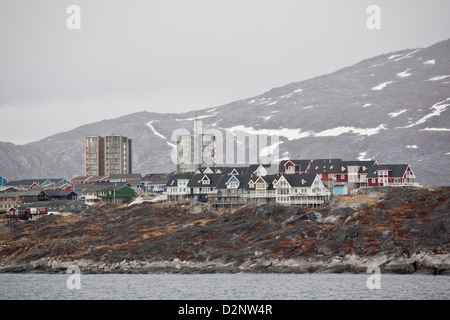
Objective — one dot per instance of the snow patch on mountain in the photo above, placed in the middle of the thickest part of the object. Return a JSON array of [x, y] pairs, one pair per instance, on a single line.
[[408, 55], [269, 150], [156, 133], [362, 156], [430, 62], [396, 114], [150, 125], [435, 129], [381, 86], [437, 78], [403, 74], [359, 131], [289, 134], [437, 108], [290, 94]]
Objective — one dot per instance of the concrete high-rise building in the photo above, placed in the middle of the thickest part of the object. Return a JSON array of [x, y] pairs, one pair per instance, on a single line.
[[108, 155], [194, 151]]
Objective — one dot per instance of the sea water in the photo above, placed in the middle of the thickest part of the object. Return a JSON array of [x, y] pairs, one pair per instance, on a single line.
[[222, 287]]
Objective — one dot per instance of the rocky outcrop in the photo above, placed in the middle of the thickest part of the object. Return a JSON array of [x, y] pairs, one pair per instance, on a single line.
[[398, 230]]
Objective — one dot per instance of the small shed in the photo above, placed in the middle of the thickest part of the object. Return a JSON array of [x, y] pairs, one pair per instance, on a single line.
[[340, 190]]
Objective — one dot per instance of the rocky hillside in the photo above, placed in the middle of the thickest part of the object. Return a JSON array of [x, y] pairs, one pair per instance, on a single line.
[[393, 108], [400, 230]]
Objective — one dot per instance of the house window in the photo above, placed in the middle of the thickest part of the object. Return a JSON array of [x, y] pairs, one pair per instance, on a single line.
[[260, 186]]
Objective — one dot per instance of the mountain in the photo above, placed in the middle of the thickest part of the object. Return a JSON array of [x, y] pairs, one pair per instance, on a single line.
[[393, 108]]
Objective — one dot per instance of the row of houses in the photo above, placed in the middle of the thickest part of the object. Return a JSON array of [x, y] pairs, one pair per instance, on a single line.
[[302, 182], [34, 210], [32, 198], [291, 182]]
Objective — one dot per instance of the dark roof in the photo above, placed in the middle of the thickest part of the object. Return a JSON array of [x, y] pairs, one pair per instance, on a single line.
[[27, 182], [223, 181], [223, 170], [196, 180], [156, 178], [54, 193], [25, 193], [364, 165], [300, 180], [90, 178], [103, 186], [325, 166], [173, 178], [270, 168], [395, 170]]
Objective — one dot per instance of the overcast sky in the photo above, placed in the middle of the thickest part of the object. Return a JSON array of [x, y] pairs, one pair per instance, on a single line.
[[182, 55]]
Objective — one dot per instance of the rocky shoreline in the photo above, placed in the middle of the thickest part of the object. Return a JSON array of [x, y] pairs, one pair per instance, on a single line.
[[401, 231], [417, 264]]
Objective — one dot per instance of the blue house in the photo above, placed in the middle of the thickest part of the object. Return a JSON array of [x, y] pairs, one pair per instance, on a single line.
[[340, 190], [3, 181]]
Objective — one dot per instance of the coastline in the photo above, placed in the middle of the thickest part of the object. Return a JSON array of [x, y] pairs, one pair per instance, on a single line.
[[424, 264], [399, 231]]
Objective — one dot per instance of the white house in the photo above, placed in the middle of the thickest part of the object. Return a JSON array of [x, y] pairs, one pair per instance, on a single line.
[[301, 189], [177, 188]]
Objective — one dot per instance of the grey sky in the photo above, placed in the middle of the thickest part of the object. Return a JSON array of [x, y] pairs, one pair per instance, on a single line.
[[180, 55]]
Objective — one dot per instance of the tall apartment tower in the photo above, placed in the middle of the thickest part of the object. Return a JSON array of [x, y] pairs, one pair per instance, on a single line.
[[108, 155], [195, 151]]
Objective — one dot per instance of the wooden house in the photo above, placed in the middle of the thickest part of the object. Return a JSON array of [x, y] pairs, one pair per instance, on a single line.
[[230, 191], [10, 199], [201, 185], [64, 207], [18, 212], [261, 189], [27, 184], [354, 173], [59, 194], [293, 166], [177, 188], [327, 169], [109, 192], [390, 175], [301, 189], [155, 183]]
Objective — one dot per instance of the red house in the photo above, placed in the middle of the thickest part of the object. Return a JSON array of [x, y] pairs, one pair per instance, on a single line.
[[327, 169], [18, 212], [391, 175], [354, 173], [293, 167]]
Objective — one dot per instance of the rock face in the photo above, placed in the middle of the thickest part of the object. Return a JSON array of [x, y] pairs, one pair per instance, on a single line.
[[397, 229]]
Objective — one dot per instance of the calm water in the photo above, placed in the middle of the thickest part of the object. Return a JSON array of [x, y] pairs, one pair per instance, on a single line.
[[224, 287]]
